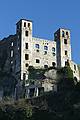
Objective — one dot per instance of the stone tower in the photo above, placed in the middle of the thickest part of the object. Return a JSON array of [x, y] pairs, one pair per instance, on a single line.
[[63, 46], [24, 43]]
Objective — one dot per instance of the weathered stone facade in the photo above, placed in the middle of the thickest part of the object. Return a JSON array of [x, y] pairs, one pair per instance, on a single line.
[[35, 52], [63, 51], [19, 51]]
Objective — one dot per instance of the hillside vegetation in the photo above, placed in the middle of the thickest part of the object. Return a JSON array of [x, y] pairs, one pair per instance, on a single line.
[[63, 105]]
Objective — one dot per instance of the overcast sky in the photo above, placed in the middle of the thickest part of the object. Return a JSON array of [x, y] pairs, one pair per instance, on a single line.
[[47, 17]]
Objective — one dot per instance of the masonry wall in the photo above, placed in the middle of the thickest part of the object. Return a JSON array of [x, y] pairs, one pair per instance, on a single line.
[[36, 52], [18, 52], [75, 70], [62, 38], [45, 53], [10, 56]]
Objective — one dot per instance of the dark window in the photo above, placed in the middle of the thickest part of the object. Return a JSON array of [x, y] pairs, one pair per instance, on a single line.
[[37, 46], [45, 52], [26, 64], [24, 24], [75, 79], [28, 24], [66, 33], [53, 49], [26, 45], [67, 63], [62, 33], [65, 52], [53, 54], [26, 57], [65, 41], [74, 67], [45, 47], [26, 33], [24, 76], [45, 66], [37, 50], [53, 64], [37, 61]]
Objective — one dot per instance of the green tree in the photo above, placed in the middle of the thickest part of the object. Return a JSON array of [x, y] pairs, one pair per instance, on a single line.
[[65, 78]]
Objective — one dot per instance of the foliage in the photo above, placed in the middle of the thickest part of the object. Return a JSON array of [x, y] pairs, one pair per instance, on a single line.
[[15, 111], [65, 73], [65, 79], [63, 105], [36, 73]]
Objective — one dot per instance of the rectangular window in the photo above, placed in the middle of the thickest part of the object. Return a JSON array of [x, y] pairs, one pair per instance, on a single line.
[[65, 41], [24, 24], [37, 61], [37, 46], [53, 64], [53, 54], [24, 74], [65, 52], [11, 53], [74, 67], [28, 24], [26, 45], [45, 47], [67, 63], [26, 65], [53, 49], [45, 52], [66, 33], [26, 33], [26, 57], [45, 66], [62, 33]]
